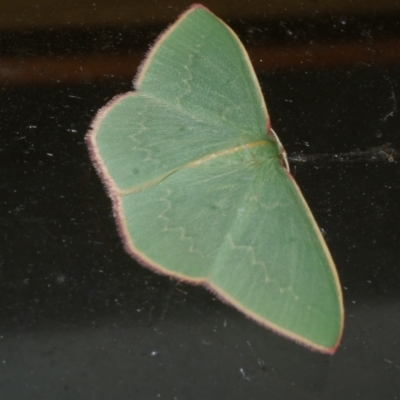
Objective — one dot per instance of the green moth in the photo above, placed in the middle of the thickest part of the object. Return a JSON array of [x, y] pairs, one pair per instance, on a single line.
[[201, 187]]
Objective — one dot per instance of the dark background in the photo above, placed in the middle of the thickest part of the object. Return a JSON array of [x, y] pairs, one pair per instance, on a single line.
[[79, 319]]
